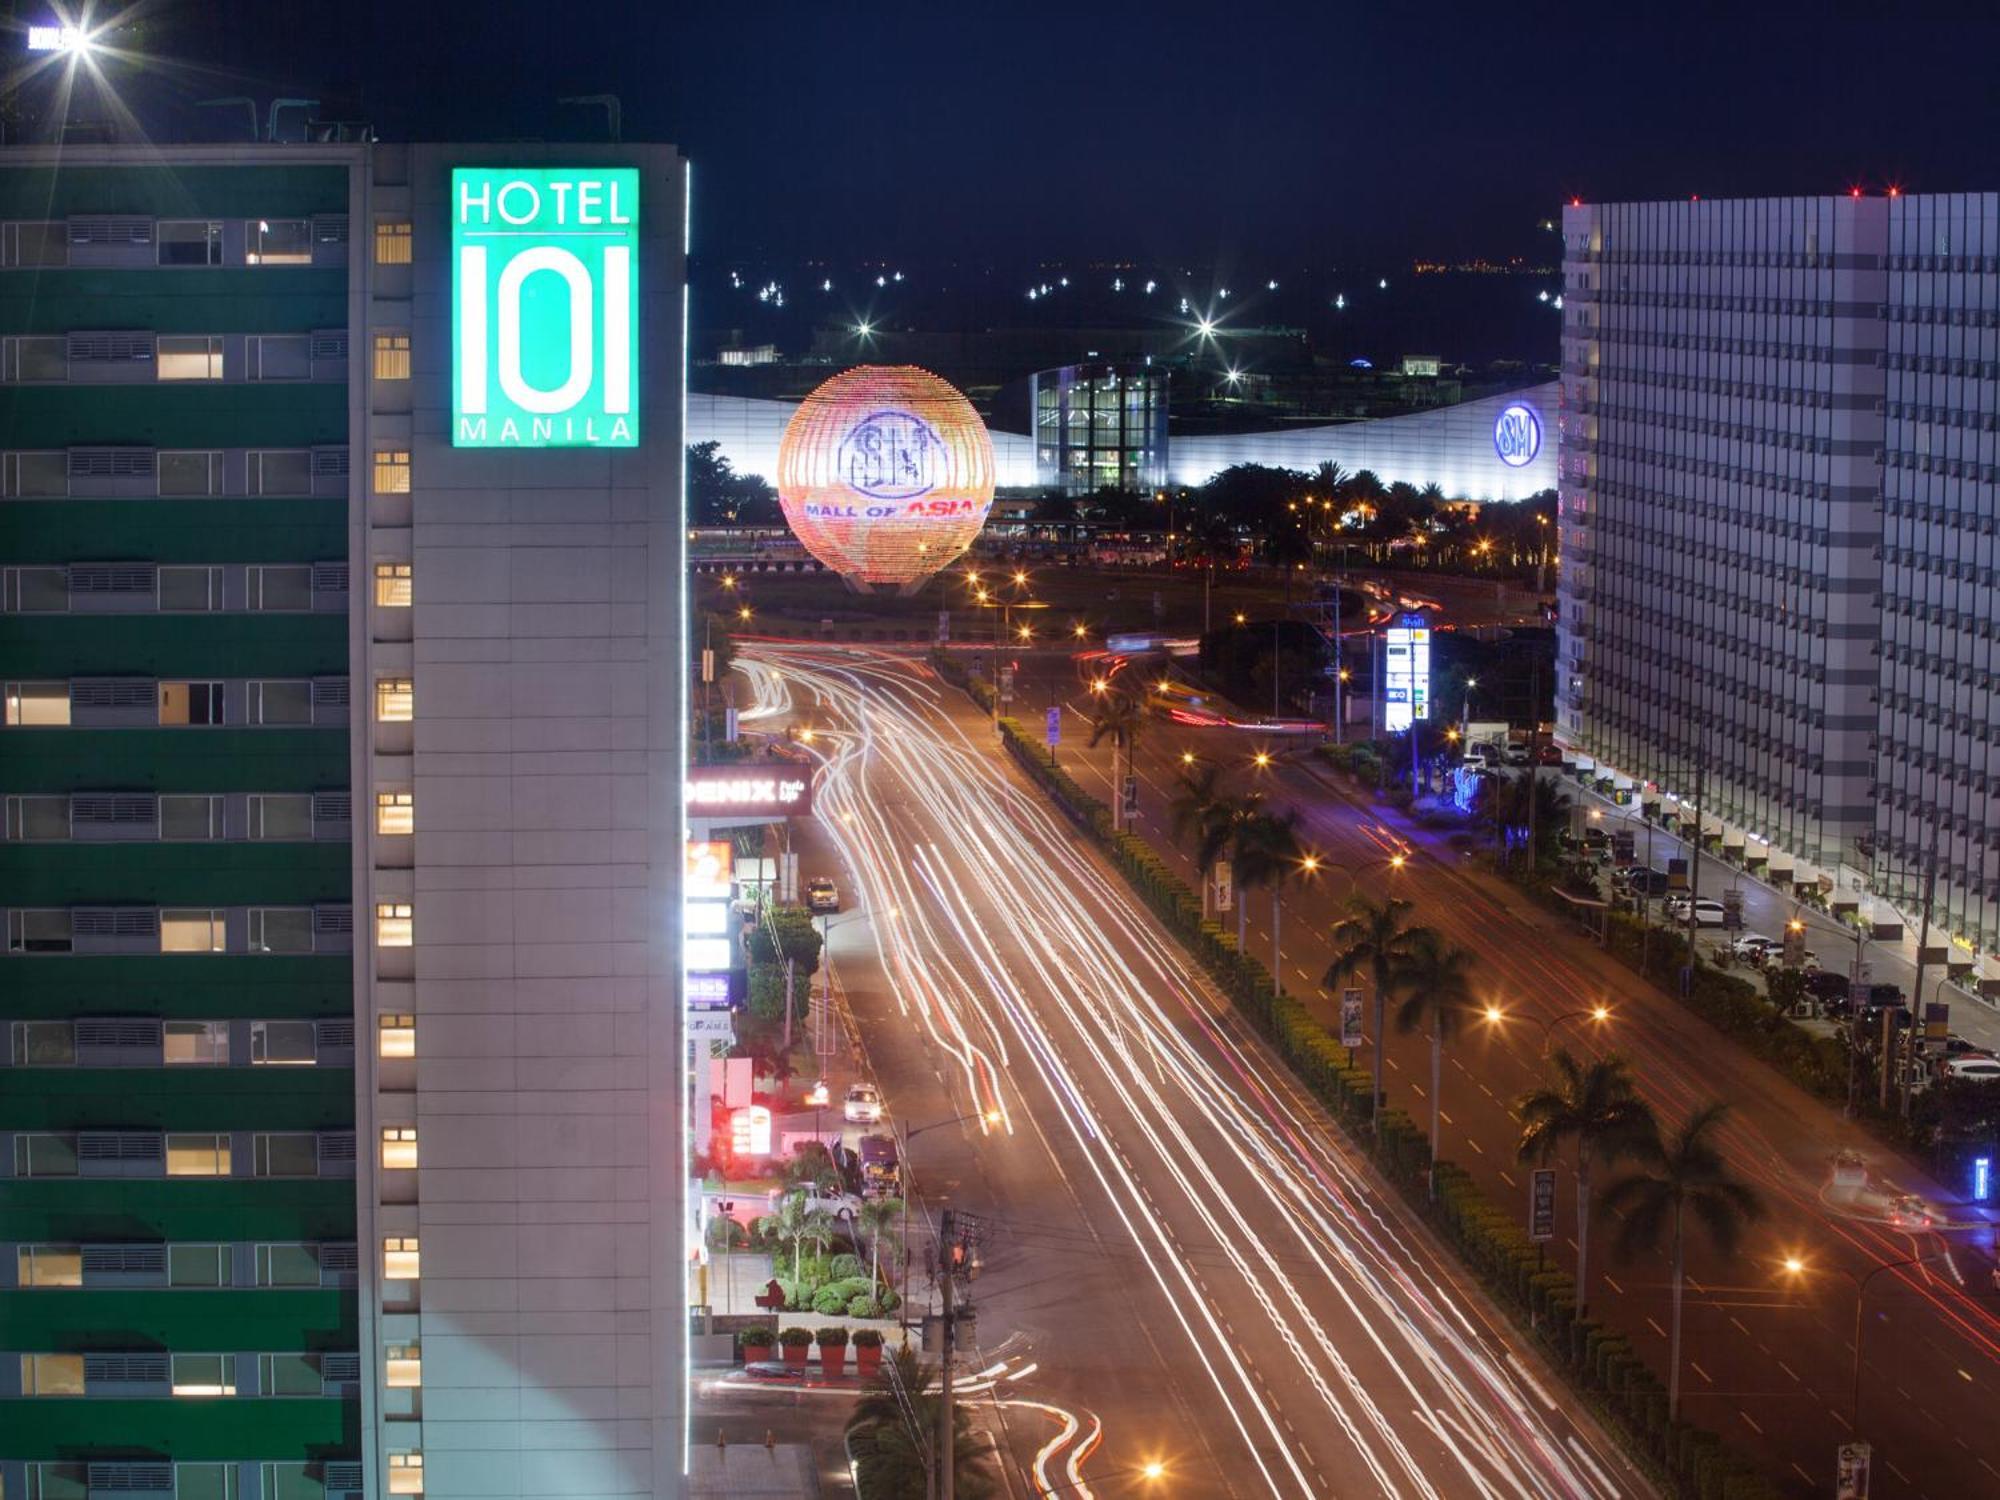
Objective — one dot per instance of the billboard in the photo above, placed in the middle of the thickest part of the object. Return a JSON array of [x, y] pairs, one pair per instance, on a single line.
[[708, 869], [885, 473], [1517, 435], [748, 792], [545, 307], [1406, 676]]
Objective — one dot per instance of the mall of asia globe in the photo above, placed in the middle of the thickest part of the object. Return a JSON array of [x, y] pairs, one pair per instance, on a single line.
[[885, 474]]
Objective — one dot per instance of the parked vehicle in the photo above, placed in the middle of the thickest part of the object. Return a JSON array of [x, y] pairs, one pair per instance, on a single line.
[[1637, 880], [829, 1200], [1829, 987], [1971, 1067], [822, 896], [1486, 757], [881, 1172], [1707, 913], [1754, 947], [1517, 754], [863, 1105]]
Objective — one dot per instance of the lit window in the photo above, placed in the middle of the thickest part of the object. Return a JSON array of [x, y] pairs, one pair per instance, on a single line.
[[399, 1036], [399, 1147], [189, 356], [392, 356], [392, 585], [197, 1155], [395, 700], [279, 242], [392, 471], [392, 242], [204, 1374], [287, 1265], [191, 931], [61, 1265], [190, 703], [282, 1043], [37, 704], [52, 1374], [395, 924], [399, 1258], [406, 1473], [196, 1044], [395, 812], [405, 1367]]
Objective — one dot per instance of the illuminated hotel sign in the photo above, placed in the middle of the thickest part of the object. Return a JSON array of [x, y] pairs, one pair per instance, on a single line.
[[545, 307], [1517, 435], [737, 792], [1406, 693]]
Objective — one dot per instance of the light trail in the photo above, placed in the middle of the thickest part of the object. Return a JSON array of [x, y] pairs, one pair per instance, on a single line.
[[1016, 953]]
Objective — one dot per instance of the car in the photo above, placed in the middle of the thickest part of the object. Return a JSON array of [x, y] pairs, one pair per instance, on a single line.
[[863, 1105], [1550, 755], [1595, 839], [1483, 755], [822, 896], [1516, 755], [828, 1200], [1755, 947], [1707, 913], [774, 1372], [1971, 1067], [1908, 1211], [1829, 987], [1957, 1046]]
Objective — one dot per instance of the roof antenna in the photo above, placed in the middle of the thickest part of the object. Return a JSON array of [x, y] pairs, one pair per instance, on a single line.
[[613, 111]]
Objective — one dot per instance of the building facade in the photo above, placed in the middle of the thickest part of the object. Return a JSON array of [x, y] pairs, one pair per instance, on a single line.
[[341, 768], [1099, 427], [1776, 510]]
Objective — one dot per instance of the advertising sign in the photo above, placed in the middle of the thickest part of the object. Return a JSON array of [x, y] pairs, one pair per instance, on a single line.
[[1677, 874], [708, 870], [1350, 1018], [545, 307], [710, 1026], [1225, 886], [1406, 693], [1542, 1204], [1131, 795], [1851, 1471], [1732, 910], [1624, 848], [708, 991], [750, 1131], [748, 792], [1517, 435], [1054, 727]]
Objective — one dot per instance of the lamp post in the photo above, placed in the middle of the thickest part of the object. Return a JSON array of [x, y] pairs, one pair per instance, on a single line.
[[1597, 1013], [1796, 1267], [987, 1118], [1150, 1472]]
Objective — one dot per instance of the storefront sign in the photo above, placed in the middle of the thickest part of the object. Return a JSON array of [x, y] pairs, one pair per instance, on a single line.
[[1517, 435], [708, 870], [748, 792]]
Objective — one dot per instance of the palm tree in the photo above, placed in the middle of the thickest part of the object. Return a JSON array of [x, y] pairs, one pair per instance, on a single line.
[[1673, 1179], [1435, 982], [894, 1428], [879, 1217], [1199, 807], [1122, 718], [799, 1223], [1596, 1106], [1376, 936], [1264, 851]]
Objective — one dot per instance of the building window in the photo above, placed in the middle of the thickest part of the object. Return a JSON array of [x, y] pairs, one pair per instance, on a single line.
[[395, 924], [55, 1265], [280, 702], [34, 591], [405, 1367], [38, 819], [291, 1153], [189, 357], [198, 1265], [44, 1044], [189, 242], [202, 1155], [191, 930], [287, 587], [392, 356], [32, 360], [399, 1148], [392, 242], [281, 929], [282, 1043], [190, 703], [395, 700], [406, 1473], [281, 471], [204, 1374], [44, 1154], [280, 356], [191, 817], [37, 705], [196, 1044], [52, 1374], [289, 1375], [279, 242], [34, 476], [287, 1265], [192, 471], [399, 1258], [398, 1036], [44, 931], [205, 1482], [282, 818], [392, 585], [189, 590], [392, 471], [395, 813]]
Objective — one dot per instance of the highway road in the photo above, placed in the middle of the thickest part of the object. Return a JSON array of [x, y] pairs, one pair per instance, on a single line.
[[1180, 1257], [1770, 1355]]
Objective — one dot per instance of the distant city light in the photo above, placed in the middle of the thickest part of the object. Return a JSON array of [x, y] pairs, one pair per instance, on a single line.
[[1223, 294], [1064, 280], [863, 329], [1382, 285], [1205, 327], [1149, 287], [1340, 302], [1270, 286], [826, 285], [1542, 295], [1117, 283], [881, 281], [1233, 375]]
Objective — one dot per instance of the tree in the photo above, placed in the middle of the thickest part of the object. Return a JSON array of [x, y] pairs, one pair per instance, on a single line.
[[1122, 719], [1200, 808], [1376, 936], [879, 1217], [798, 1223], [1674, 1178], [719, 496], [1434, 980], [1265, 850], [893, 1429], [1595, 1106]]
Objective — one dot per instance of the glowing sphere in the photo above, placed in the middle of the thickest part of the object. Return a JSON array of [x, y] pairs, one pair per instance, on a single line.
[[885, 474]]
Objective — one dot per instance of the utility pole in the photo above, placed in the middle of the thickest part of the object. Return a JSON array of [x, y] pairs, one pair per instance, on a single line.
[[959, 1235], [1694, 865], [1534, 759], [1339, 716], [1917, 989]]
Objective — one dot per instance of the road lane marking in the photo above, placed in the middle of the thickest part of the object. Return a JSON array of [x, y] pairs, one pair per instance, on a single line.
[[1614, 1286], [1739, 1327], [1507, 1179], [1751, 1420], [1475, 1145], [1787, 1369], [1701, 1372], [1656, 1328]]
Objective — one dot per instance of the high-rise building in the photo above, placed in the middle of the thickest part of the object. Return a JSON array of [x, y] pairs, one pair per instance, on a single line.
[[342, 647], [1778, 506]]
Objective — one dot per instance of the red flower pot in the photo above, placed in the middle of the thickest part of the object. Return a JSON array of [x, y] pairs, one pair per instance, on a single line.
[[756, 1353], [833, 1360], [867, 1359], [796, 1354]]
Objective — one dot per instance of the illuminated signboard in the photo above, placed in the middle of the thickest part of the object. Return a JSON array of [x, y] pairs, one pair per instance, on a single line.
[[750, 1131], [885, 474], [1406, 681], [1517, 435], [709, 864], [545, 307], [748, 792], [708, 991], [705, 918]]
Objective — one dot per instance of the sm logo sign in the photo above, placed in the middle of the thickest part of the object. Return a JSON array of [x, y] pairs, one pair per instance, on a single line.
[[545, 307]]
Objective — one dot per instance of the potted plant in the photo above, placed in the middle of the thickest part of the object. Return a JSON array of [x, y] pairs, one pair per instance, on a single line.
[[756, 1344], [867, 1352], [833, 1351], [796, 1344]]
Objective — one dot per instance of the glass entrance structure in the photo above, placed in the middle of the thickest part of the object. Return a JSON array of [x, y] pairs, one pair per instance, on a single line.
[[1101, 426]]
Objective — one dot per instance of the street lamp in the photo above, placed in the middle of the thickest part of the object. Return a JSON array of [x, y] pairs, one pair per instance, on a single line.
[[1598, 1014], [1795, 1267], [1151, 1473]]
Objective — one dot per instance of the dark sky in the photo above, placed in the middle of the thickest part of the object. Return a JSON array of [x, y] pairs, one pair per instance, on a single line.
[[1237, 130]]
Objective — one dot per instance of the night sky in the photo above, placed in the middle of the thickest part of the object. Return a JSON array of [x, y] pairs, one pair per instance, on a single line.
[[1224, 133]]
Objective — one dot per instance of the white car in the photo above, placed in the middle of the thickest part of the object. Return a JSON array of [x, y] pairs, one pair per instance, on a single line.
[[1971, 1067], [863, 1105], [1755, 947], [1707, 913], [829, 1200]]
